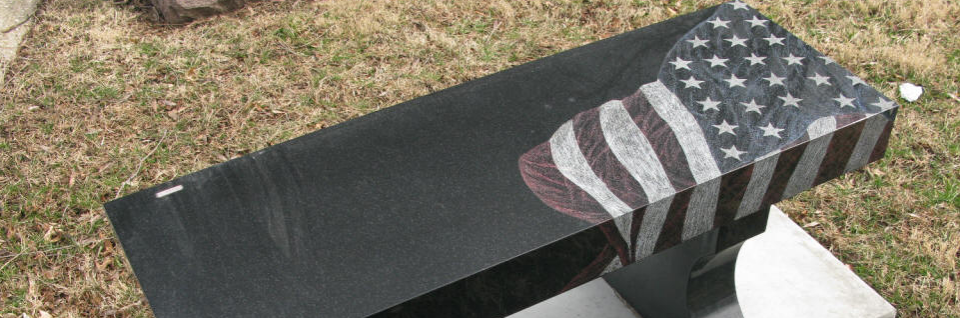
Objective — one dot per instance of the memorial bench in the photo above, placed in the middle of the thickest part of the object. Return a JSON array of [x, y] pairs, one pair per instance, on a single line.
[[645, 158]]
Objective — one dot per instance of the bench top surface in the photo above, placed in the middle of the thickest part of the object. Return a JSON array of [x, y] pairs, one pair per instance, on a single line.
[[656, 135]]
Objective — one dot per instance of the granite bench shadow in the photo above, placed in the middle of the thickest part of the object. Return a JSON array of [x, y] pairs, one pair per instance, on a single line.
[[488, 197]]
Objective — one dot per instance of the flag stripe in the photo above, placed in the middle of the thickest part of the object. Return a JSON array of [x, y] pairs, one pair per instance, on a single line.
[[624, 223], [685, 127], [820, 132], [638, 217], [612, 232], [786, 164], [547, 183], [652, 225], [806, 170], [881, 147], [634, 151], [844, 120], [839, 151], [820, 127], [671, 233], [594, 147], [571, 163], [661, 137], [763, 170], [614, 264], [732, 190], [872, 129], [702, 208]]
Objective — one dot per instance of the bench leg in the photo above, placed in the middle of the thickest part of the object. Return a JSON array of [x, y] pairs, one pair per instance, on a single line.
[[693, 279]]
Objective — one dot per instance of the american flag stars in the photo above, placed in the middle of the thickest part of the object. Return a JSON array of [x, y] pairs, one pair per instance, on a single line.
[[680, 63], [733, 81], [757, 22], [746, 76], [793, 60], [884, 104], [692, 82], [754, 59], [735, 41], [709, 104], [719, 23], [845, 101], [789, 100], [820, 79], [697, 42], [732, 152], [774, 40], [856, 80], [770, 131], [739, 5], [773, 79], [726, 128], [752, 106], [717, 61]]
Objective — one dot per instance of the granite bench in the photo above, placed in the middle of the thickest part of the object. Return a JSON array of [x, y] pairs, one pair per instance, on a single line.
[[645, 158]]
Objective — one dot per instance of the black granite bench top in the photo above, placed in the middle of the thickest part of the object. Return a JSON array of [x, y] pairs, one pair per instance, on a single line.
[[482, 199]]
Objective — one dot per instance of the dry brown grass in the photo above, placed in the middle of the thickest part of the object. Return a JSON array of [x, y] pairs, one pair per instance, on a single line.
[[96, 91]]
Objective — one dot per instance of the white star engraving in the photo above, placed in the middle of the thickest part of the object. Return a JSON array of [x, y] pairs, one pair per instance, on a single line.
[[732, 152], [884, 104], [789, 100], [717, 61], [752, 106], [845, 101], [757, 22], [734, 41], [698, 42], [754, 59], [820, 79], [733, 81], [793, 59], [719, 23], [739, 5], [771, 131], [709, 104], [827, 60], [856, 80], [692, 82], [774, 79], [724, 127], [680, 63], [773, 39]]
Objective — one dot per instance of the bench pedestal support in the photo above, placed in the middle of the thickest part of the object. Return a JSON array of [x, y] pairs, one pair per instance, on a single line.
[[694, 279]]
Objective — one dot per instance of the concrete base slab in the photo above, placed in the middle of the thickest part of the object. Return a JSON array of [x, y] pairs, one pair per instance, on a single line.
[[16, 19], [783, 272]]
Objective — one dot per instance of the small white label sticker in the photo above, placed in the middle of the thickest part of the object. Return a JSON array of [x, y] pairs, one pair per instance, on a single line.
[[169, 191]]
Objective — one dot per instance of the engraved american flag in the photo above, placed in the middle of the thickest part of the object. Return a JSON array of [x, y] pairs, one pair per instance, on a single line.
[[743, 114]]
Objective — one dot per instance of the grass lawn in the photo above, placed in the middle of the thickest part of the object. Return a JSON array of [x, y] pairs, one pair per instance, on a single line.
[[101, 104]]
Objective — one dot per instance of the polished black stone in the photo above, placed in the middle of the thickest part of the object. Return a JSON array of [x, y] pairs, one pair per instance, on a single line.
[[416, 210]]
